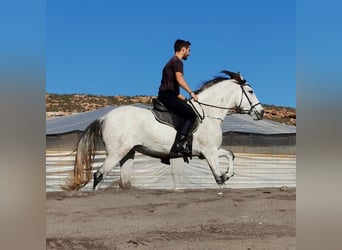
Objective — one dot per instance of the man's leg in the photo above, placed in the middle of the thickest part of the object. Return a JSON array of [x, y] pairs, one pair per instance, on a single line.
[[181, 138]]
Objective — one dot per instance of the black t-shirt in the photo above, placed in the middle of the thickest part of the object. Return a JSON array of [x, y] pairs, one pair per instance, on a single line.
[[169, 81]]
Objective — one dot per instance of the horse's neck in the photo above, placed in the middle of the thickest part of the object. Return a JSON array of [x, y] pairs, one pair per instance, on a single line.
[[223, 94]]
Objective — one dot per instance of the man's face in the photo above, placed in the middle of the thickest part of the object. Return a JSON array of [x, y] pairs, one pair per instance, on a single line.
[[186, 53]]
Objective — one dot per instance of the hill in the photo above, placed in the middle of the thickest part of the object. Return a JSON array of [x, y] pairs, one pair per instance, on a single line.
[[66, 104]]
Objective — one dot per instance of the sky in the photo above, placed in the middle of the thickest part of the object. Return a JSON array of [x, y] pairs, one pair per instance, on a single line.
[[120, 47]]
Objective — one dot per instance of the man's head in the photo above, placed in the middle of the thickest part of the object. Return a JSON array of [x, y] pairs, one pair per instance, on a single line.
[[182, 48]]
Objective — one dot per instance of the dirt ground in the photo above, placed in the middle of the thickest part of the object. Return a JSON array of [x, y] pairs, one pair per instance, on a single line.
[[246, 219]]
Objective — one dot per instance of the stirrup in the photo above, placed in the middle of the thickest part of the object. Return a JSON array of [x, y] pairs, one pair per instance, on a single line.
[[179, 149]]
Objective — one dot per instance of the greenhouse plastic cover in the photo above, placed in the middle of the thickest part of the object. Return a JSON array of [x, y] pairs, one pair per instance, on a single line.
[[232, 123], [251, 171]]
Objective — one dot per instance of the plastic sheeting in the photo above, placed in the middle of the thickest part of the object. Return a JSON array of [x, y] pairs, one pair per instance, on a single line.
[[251, 171], [241, 123]]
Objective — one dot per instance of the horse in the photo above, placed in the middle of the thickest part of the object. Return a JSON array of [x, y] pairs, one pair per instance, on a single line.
[[128, 129]]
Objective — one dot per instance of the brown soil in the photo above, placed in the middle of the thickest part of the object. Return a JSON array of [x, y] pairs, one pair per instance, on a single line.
[[159, 219]]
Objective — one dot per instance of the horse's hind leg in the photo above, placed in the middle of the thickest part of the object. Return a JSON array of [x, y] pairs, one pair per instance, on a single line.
[[107, 167], [126, 169]]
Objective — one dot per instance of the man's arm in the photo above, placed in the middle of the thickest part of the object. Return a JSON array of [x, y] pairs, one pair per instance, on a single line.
[[180, 79]]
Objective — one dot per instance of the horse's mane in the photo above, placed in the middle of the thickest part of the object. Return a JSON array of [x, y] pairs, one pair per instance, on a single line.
[[228, 75]]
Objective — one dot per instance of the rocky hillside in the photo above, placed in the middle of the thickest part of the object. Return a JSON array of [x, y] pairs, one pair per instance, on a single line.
[[66, 104]]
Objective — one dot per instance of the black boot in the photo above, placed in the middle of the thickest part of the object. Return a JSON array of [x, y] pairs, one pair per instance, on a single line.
[[181, 138], [178, 145]]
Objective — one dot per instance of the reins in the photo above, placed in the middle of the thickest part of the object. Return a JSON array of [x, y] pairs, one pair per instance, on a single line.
[[214, 106], [202, 117], [236, 109]]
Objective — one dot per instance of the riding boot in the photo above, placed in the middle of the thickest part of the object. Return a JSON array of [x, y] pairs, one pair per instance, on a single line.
[[181, 138], [178, 145]]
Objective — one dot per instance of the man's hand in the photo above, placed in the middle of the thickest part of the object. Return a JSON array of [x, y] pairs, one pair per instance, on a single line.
[[193, 95], [181, 97]]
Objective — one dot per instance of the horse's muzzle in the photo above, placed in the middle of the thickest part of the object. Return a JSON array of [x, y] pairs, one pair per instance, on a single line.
[[257, 115]]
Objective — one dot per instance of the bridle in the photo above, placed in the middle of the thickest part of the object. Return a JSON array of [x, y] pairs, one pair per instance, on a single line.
[[250, 103], [233, 109]]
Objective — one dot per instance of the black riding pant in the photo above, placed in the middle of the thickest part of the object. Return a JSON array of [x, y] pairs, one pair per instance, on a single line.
[[179, 107]]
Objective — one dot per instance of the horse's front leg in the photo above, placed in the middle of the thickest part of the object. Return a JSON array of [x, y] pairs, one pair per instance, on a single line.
[[212, 157], [230, 157]]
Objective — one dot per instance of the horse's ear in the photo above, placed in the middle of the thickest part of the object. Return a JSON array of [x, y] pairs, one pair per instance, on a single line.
[[241, 79]]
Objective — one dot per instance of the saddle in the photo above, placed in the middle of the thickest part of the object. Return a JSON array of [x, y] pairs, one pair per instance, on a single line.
[[165, 116]]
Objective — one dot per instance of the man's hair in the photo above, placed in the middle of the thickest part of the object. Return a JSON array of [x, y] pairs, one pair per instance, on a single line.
[[179, 44]]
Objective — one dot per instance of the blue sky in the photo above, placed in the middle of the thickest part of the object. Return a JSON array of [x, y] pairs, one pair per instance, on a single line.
[[120, 47]]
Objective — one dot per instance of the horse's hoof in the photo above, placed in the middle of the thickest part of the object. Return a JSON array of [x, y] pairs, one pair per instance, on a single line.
[[98, 176], [218, 180], [224, 178]]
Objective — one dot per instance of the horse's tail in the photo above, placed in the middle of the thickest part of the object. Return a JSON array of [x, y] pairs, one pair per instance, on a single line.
[[85, 155]]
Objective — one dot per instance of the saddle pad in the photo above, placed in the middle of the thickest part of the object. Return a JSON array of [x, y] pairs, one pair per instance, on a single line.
[[172, 120], [168, 118]]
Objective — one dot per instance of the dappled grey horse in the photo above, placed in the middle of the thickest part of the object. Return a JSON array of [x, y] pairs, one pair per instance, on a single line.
[[127, 129]]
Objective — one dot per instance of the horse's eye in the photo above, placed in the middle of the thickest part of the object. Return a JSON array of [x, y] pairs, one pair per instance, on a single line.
[[250, 91]]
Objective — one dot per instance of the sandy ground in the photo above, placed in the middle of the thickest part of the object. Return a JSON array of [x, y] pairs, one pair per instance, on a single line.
[[246, 219]]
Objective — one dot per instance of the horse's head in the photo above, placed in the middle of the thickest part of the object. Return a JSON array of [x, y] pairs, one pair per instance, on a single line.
[[248, 103]]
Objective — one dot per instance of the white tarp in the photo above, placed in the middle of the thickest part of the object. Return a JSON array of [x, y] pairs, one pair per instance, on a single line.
[[251, 171]]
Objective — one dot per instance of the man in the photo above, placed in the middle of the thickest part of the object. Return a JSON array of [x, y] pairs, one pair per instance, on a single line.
[[169, 94]]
